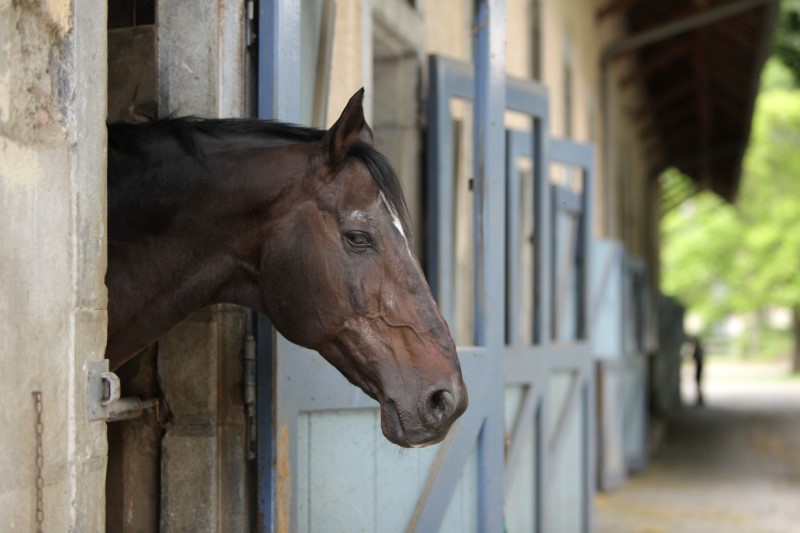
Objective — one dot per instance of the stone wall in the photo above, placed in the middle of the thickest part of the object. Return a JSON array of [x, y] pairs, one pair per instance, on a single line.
[[52, 260]]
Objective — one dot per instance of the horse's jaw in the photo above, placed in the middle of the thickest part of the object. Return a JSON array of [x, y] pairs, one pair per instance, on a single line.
[[415, 412]]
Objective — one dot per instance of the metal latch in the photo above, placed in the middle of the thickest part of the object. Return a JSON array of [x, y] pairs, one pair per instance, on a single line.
[[103, 392]]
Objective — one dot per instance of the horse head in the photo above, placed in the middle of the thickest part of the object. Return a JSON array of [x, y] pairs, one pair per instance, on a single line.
[[338, 275]]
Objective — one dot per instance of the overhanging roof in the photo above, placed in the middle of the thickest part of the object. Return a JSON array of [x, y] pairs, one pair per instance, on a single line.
[[699, 62]]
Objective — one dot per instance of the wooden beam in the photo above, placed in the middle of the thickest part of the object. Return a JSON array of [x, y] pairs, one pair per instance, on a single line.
[[681, 137], [663, 58], [683, 115], [685, 20], [731, 149], [728, 32], [703, 101], [655, 150], [614, 6], [668, 97], [726, 101], [648, 131]]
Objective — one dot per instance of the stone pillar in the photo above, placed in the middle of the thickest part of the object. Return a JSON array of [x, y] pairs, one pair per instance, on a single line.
[[52, 262], [201, 72], [203, 463]]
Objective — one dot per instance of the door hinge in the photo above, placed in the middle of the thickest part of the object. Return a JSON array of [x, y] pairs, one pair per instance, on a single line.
[[249, 382], [103, 392], [251, 24]]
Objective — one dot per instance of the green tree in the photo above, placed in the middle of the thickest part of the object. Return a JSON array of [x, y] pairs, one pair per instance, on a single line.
[[721, 259], [786, 41]]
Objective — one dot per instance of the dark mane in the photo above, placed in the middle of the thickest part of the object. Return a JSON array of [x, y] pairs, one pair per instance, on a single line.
[[191, 134]]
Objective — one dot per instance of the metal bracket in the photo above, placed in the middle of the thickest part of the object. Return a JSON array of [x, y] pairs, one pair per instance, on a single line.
[[103, 396]]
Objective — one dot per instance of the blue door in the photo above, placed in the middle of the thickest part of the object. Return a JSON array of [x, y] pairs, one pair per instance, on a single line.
[[543, 267], [513, 286], [323, 464]]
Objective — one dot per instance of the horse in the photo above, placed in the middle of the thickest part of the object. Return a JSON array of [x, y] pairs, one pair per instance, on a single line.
[[306, 226]]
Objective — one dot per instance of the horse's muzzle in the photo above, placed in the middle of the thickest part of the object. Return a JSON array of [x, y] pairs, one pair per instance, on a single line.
[[428, 422]]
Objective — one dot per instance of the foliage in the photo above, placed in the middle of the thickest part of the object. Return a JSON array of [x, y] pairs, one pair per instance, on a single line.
[[719, 258], [786, 41], [772, 344], [696, 247]]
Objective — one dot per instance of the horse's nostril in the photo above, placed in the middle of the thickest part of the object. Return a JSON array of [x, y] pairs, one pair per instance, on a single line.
[[440, 404]]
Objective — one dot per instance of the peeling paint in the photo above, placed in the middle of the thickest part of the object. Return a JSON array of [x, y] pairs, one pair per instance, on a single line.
[[59, 11], [35, 65]]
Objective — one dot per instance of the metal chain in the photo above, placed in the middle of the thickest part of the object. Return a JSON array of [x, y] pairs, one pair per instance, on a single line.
[[37, 398]]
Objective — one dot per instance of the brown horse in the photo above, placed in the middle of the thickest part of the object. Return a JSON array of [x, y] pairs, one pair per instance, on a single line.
[[306, 226]]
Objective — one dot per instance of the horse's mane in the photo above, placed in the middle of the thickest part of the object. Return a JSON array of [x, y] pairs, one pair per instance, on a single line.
[[139, 140]]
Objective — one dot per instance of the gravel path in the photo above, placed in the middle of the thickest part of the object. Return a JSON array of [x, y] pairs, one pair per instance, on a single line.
[[731, 466]]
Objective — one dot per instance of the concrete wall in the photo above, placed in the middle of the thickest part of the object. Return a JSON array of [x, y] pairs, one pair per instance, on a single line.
[[52, 259]]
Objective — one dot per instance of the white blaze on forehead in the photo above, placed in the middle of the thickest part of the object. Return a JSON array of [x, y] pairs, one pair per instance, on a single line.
[[395, 218], [358, 215]]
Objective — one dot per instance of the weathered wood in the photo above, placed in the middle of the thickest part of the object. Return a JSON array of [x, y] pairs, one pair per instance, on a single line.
[[665, 57], [666, 98], [703, 102]]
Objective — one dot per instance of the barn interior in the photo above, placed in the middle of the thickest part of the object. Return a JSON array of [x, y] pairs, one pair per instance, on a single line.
[[699, 65], [692, 109]]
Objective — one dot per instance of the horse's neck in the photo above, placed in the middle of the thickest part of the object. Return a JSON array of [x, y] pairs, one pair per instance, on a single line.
[[153, 287], [156, 280]]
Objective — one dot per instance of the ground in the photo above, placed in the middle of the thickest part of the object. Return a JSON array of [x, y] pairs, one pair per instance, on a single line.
[[730, 466]]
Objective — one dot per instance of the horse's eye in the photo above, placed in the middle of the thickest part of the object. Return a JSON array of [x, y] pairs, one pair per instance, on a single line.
[[358, 240]]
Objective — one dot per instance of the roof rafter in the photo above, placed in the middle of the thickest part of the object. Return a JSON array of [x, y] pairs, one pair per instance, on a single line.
[[614, 6], [663, 58]]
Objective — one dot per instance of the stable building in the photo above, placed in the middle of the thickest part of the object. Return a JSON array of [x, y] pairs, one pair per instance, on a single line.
[[529, 136]]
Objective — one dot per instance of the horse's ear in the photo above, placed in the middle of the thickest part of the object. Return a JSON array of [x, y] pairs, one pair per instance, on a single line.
[[350, 126], [366, 134]]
